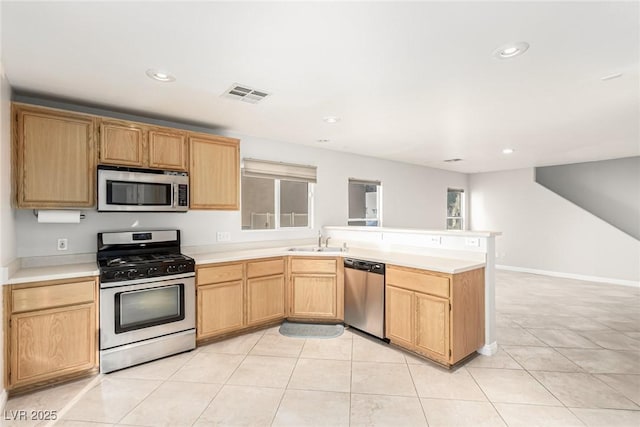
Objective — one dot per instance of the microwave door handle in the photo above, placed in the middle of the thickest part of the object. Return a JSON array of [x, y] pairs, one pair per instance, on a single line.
[[175, 195]]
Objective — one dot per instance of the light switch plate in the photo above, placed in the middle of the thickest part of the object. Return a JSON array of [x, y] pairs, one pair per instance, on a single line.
[[223, 236]]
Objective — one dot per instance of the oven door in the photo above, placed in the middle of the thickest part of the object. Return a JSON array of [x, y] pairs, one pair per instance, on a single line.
[[132, 313]]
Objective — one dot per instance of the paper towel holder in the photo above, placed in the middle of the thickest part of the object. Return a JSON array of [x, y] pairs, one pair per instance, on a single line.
[[36, 213]]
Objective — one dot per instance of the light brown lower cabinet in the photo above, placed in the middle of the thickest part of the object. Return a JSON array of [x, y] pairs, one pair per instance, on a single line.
[[437, 315], [316, 288], [220, 308], [314, 296], [50, 332], [239, 295], [400, 316], [265, 299], [432, 326]]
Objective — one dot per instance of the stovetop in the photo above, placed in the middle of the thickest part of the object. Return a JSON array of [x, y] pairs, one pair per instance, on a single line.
[[132, 267], [127, 261], [125, 256]]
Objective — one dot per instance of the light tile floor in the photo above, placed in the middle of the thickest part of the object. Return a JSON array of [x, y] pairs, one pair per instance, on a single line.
[[569, 355]]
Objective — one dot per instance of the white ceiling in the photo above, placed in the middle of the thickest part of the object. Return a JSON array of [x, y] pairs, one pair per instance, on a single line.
[[414, 82]]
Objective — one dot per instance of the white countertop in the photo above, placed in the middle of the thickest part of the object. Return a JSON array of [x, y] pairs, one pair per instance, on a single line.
[[442, 265], [425, 262], [53, 272]]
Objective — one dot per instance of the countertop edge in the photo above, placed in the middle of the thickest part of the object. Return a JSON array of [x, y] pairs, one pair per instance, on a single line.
[[424, 262]]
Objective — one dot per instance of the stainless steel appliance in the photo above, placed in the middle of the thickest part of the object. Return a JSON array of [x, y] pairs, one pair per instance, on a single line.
[[364, 296], [147, 297], [147, 190]]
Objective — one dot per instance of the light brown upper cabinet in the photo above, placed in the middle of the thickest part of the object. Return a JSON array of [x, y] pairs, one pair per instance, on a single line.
[[126, 143], [214, 172], [168, 150], [55, 154], [54, 158], [121, 143]]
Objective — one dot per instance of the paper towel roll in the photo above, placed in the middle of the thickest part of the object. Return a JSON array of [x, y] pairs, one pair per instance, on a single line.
[[60, 217]]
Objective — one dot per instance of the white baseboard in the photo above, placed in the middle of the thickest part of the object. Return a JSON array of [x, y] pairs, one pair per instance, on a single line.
[[3, 400], [571, 276], [489, 349]]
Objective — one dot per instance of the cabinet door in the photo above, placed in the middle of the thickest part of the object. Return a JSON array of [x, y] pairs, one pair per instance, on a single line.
[[399, 314], [52, 343], [432, 326], [55, 159], [265, 299], [220, 309], [167, 150], [214, 173], [313, 296], [121, 144]]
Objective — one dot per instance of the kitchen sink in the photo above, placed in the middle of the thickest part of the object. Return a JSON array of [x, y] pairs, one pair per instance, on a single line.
[[317, 249]]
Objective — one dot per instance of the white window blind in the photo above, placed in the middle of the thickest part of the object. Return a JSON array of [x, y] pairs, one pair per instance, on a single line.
[[277, 170]]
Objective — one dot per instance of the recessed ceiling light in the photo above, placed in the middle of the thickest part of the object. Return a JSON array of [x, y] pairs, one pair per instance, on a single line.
[[511, 50], [507, 151], [160, 76], [323, 140], [611, 77], [331, 119], [453, 160]]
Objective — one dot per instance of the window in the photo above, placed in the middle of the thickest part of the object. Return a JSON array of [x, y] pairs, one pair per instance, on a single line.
[[455, 209], [276, 195], [365, 202]]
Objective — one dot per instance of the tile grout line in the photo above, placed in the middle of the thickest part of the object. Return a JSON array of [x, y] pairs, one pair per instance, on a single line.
[[487, 397], [75, 399], [275, 414], [413, 381], [228, 378]]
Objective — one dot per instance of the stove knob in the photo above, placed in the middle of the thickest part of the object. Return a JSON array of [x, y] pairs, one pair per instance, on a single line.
[[131, 274], [118, 274], [152, 270], [182, 268], [171, 269]]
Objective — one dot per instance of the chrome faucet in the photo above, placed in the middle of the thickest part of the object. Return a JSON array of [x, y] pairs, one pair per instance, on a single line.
[[319, 239], [326, 242]]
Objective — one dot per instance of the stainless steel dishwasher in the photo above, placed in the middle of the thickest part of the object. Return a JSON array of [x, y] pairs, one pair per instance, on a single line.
[[364, 296]]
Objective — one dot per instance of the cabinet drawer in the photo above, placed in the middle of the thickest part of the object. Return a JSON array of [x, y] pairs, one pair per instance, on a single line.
[[265, 268], [29, 299], [305, 265], [219, 274], [417, 280]]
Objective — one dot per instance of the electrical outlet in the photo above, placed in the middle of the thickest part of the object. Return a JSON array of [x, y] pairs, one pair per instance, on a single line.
[[472, 241], [223, 236], [435, 240], [63, 244]]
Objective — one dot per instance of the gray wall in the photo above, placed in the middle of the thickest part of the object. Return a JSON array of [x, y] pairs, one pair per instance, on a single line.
[[543, 231], [609, 189]]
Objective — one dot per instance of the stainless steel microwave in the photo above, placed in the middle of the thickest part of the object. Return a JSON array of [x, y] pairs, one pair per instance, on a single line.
[[143, 190]]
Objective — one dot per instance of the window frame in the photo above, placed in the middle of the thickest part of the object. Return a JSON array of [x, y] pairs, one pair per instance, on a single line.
[[378, 217], [277, 211], [462, 217]]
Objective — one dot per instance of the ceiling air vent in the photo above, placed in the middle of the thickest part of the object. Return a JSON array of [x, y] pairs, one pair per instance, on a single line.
[[245, 93], [453, 160]]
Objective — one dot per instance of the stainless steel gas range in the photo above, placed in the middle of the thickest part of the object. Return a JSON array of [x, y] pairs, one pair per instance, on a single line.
[[147, 297]]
